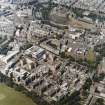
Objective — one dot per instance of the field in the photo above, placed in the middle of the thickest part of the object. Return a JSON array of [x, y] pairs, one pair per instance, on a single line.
[[9, 96]]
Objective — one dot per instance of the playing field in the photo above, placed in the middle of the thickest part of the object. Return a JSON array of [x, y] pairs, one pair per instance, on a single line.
[[9, 96]]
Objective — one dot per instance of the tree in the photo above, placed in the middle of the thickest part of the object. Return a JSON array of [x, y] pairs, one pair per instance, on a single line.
[[101, 76], [87, 84], [99, 101], [98, 78], [75, 98]]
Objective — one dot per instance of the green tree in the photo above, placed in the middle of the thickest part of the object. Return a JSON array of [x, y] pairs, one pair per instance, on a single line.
[[99, 101], [87, 84]]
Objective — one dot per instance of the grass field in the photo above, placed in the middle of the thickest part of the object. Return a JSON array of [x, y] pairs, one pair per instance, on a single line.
[[9, 96]]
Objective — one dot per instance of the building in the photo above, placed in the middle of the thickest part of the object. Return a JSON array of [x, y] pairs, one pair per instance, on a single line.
[[36, 52], [6, 27]]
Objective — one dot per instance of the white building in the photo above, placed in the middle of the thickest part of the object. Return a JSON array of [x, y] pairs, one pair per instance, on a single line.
[[36, 52]]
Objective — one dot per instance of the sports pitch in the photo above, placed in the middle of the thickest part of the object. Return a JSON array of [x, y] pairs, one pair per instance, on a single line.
[[9, 96]]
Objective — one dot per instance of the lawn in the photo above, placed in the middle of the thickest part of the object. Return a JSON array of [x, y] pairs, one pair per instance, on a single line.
[[90, 56], [9, 96]]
